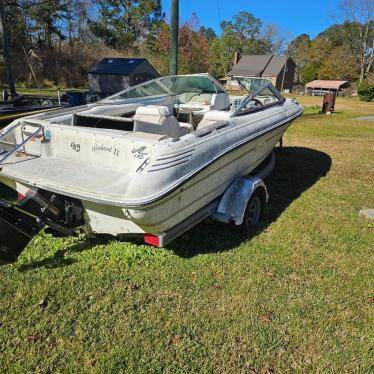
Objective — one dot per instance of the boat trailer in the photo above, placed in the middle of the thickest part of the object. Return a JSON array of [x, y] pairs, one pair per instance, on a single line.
[[242, 203]]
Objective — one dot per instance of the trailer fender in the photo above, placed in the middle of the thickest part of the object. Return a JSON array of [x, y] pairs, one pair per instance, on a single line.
[[234, 201]]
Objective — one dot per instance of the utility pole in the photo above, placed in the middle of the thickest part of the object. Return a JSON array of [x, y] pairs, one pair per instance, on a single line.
[[174, 28], [6, 51], [284, 73]]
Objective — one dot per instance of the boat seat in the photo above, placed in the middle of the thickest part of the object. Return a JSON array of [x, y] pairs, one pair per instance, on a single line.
[[156, 119], [185, 128], [211, 117]]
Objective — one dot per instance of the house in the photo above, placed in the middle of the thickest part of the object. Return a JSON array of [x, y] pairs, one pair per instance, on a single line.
[[279, 70], [112, 75], [320, 87]]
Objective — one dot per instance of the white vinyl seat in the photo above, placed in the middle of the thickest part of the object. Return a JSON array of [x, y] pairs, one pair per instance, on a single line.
[[156, 119], [211, 117], [185, 128]]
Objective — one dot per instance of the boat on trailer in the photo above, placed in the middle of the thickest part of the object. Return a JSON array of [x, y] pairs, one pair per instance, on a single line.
[[150, 161]]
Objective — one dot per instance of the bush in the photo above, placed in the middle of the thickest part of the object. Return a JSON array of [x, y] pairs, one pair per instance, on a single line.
[[366, 91], [46, 83]]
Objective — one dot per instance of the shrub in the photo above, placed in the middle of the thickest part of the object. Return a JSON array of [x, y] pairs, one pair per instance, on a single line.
[[46, 83], [366, 91]]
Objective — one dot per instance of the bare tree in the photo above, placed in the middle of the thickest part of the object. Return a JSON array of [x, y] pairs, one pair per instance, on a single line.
[[276, 38], [359, 27]]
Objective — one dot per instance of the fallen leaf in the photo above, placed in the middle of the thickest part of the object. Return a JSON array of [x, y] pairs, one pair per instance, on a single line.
[[90, 363], [175, 339], [33, 338], [133, 287], [267, 371], [265, 318]]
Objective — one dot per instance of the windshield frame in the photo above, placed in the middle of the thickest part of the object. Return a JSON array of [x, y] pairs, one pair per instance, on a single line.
[[281, 100]]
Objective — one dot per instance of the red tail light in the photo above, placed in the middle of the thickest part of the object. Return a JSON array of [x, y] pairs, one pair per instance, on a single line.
[[152, 239], [21, 196]]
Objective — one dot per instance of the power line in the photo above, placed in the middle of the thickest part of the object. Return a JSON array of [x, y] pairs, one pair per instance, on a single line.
[[219, 13]]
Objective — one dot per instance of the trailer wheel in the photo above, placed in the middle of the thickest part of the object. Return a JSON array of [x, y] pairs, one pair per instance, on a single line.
[[253, 212]]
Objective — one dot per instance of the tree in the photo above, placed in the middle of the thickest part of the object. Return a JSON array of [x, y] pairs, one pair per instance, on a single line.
[[123, 24], [273, 39], [309, 73], [242, 34], [209, 33], [298, 48], [359, 32], [336, 35], [246, 26], [45, 17]]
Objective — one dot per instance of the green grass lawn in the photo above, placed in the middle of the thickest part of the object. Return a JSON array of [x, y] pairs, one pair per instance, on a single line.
[[296, 297]]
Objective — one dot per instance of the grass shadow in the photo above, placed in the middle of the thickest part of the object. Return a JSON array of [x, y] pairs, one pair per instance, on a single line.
[[296, 170], [59, 258]]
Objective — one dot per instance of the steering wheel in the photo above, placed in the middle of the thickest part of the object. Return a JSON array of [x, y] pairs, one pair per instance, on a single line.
[[191, 95], [257, 102]]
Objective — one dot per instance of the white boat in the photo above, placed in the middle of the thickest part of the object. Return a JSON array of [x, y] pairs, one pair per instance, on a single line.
[[144, 161]]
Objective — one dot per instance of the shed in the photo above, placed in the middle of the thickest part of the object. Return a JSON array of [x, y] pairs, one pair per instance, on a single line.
[[322, 86], [279, 70], [112, 75]]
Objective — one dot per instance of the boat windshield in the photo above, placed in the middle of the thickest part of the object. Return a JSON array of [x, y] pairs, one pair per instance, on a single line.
[[172, 85], [252, 84], [151, 88], [194, 83], [265, 96]]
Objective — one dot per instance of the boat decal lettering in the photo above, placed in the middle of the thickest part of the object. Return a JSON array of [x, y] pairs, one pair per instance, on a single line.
[[139, 152], [75, 146], [143, 165], [105, 148]]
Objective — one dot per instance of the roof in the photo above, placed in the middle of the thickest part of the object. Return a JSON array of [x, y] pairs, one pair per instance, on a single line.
[[121, 66], [252, 65], [334, 85], [259, 66], [275, 66]]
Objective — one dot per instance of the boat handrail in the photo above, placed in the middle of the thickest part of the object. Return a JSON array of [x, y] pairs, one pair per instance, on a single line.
[[16, 146]]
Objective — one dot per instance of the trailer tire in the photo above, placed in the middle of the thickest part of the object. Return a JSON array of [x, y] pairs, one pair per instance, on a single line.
[[253, 212]]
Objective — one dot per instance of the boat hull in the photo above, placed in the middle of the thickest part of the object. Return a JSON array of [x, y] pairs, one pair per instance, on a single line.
[[195, 194]]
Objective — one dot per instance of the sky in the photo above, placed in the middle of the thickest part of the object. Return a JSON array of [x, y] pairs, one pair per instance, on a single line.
[[294, 17]]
